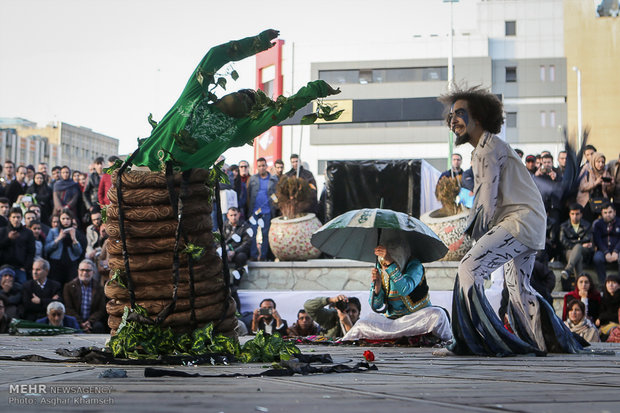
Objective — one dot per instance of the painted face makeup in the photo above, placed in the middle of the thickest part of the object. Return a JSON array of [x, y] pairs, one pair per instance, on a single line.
[[460, 128]]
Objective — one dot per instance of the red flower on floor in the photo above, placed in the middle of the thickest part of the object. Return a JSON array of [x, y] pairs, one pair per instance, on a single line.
[[369, 355]]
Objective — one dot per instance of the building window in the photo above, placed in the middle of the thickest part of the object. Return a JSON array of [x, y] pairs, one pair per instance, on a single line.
[[552, 73], [543, 119], [552, 119], [542, 73], [511, 74], [392, 75], [511, 28], [511, 119]]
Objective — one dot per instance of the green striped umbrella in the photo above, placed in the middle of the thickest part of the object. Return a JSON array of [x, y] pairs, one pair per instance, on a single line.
[[355, 234]]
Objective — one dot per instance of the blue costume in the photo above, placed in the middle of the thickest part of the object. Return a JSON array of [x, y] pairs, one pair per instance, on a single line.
[[401, 293]]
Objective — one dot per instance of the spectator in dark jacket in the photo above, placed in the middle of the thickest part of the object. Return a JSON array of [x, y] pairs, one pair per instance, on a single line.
[[17, 186], [305, 326], [43, 194], [576, 241], [237, 236], [610, 303], [606, 235], [91, 191], [40, 291], [17, 246], [84, 299], [56, 317], [10, 292]]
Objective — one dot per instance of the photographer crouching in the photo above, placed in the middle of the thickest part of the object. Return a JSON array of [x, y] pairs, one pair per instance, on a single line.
[[337, 319]]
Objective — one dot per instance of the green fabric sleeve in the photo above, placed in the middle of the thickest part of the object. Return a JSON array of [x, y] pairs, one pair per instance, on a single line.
[[325, 317]]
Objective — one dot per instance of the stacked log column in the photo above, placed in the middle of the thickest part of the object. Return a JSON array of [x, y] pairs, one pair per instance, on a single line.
[[150, 226]]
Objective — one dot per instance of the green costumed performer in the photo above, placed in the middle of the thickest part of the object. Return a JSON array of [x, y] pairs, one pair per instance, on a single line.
[[200, 127]]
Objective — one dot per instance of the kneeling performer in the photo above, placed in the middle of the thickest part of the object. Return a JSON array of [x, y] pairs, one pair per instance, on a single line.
[[399, 290]]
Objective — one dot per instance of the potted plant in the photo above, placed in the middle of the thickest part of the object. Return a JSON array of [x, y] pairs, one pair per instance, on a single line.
[[450, 220], [289, 234]]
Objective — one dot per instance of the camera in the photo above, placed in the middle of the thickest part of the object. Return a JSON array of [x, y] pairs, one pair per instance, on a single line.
[[606, 179], [341, 305], [265, 311]]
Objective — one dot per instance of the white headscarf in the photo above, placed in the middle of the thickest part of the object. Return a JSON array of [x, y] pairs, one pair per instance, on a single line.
[[399, 251]]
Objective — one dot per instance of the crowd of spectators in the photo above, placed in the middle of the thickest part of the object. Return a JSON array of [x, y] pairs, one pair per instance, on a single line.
[[52, 255], [584, 232]]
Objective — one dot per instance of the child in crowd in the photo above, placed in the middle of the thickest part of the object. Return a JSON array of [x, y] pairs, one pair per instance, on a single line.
[[39, 238], [608, 316]]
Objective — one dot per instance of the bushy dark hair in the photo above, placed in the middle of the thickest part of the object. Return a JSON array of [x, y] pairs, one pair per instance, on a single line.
[[483, 106], [356, 302]]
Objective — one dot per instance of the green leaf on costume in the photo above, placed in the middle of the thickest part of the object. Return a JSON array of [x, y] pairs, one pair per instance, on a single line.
[[217, 237], [234, 75], [194, 250], [309, 119], [212, 97], [104, 213], [221, 82], [333, 116], [185, 141], [151, 121], [325, 109], [117, 164]]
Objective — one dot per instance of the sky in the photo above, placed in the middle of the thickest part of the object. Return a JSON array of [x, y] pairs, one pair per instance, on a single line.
[[107, 64]]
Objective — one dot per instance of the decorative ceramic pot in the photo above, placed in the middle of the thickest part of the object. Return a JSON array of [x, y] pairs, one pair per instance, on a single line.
[[289, 239], [451, 231]]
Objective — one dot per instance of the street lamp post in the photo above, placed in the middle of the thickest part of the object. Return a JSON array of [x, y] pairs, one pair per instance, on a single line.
[[451, 73], [579, 118]]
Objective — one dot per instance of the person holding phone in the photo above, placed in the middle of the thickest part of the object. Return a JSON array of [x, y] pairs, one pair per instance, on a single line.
[[595, 187], [267, 319], [64, 247]]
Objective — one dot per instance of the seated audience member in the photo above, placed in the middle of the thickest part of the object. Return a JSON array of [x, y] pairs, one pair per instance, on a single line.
[[17, 246], [39, 238], [576, 241], [579, 324], [37, 210], [267, 319], [40, 291], [305, 326], [238, 237], [595, 187], [56, 317], [610, 304], [10, 292], [4, 211], [5, 320], [94, 240], [586, 292], [85, 300], [606, 235], [337, 320], [63, 247]]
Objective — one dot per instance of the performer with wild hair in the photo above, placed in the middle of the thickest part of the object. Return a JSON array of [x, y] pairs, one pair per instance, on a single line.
[[507, 221]]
